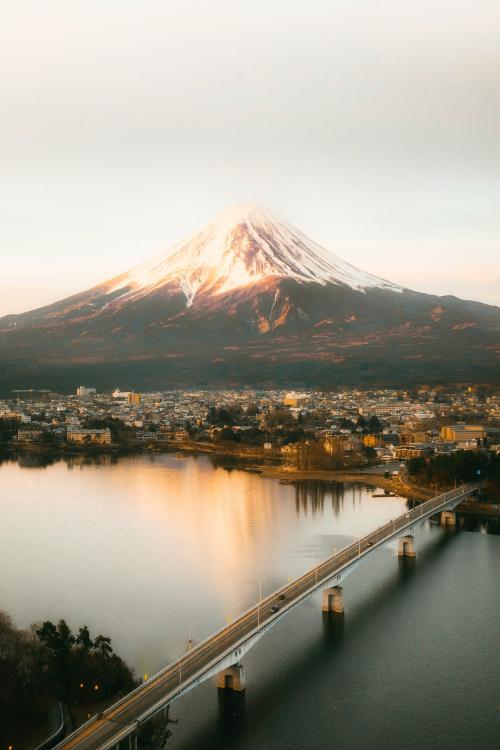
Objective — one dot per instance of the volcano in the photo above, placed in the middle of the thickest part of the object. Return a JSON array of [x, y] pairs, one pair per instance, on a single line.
[[249, 300]]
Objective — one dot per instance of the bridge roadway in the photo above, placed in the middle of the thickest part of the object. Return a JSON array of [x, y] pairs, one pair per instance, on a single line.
[[228, 645]]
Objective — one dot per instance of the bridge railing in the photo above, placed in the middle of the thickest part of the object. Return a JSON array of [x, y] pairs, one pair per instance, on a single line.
[[392, 527]]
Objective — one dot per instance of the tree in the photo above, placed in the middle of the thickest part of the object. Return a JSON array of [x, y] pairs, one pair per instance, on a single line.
[[8, 428], [369, 452], [48, 635], [155, 733], [57, 645], [347, 424], [222, 415], [374, 425], [464, 465], [279, 417], [227, 434], [102, 646], [65, 640], [47, 663], [361, 421], [84, 641]]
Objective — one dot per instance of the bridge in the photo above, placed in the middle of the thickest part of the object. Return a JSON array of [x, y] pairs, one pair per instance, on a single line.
[[221, 653]]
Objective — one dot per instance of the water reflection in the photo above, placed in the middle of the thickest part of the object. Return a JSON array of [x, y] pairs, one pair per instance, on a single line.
[[41, 460], [231, 714], [406, 567], [304, 675], [481, 525], [171, 537], [140, 547], [333, 630], [34, 460], [311, 494]]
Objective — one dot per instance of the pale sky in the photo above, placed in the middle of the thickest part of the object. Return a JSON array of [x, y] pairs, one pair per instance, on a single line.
[[372, 125]]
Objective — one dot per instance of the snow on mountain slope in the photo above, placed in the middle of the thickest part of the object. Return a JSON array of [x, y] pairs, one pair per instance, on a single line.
[[242, 246]]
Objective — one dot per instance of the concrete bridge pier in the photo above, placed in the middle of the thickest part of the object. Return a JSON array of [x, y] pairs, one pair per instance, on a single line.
[[448, 518], [333, 600], [232, 678], [406, 546]]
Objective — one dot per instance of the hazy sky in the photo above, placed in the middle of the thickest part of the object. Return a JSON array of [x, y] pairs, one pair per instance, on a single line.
[[372, 125]]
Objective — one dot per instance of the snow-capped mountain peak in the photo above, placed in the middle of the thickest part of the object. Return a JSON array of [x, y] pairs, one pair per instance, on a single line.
[[241, 246]]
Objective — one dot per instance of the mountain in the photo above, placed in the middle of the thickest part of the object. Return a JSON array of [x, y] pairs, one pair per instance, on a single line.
[[243, 246], [247, 300]]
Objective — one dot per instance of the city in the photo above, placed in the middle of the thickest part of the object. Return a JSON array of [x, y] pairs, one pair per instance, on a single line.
[[409, 451], [249, 375], [352, 427]]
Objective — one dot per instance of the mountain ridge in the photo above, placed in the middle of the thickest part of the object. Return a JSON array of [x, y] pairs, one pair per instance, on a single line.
[[249, 294]]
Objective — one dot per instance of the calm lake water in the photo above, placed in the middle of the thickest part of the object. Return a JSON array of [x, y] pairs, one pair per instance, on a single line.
[[146, 548]]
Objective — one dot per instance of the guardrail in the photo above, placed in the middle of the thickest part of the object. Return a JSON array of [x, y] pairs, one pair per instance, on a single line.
[[317, 577], [51, 741]]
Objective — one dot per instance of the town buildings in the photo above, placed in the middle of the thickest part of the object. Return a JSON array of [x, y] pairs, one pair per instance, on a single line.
[[381, 425], [459, 432], [88, 436]]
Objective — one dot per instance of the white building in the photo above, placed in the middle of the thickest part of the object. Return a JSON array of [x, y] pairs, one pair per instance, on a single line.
[[83, 390]]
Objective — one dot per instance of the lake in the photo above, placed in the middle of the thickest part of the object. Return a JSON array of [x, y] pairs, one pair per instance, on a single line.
[[152, 549]]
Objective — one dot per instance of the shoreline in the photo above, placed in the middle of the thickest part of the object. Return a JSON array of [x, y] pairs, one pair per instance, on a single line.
[[396, 486], [253, 462]]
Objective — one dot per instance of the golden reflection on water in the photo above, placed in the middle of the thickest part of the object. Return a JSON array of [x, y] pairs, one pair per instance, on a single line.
[[141, 548]]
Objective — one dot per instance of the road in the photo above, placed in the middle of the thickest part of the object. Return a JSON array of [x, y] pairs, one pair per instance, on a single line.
[[169, 683]]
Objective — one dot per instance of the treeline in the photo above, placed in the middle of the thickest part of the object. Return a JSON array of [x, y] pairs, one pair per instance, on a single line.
[[370, 425], [312, 454], [466, 466], [121, 433], [8, 429], [46, 663]]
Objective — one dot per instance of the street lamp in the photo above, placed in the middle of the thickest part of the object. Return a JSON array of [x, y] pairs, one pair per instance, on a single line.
[[460, 480], [260, 599], [358, 539], [261, 581], [257, 603], [190, 640]]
